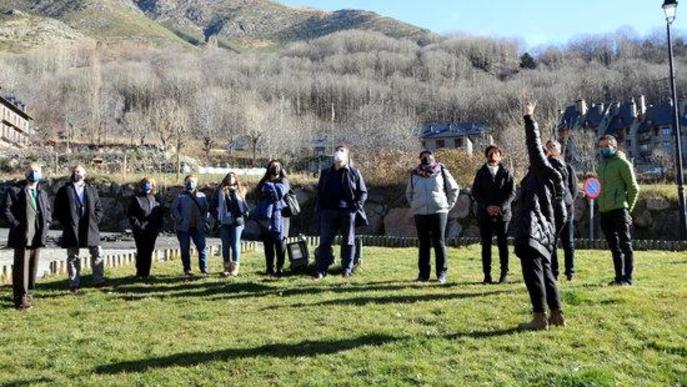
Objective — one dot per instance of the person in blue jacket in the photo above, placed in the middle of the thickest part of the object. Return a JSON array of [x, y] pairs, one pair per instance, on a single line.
[[274, 226]]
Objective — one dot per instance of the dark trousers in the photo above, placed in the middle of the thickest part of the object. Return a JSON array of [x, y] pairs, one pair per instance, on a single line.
[[488, 229], [331, 222], [567, 239], [431, 232], [198, 237], [541, 284], [616, 226], [275, 246], [24, 275], [145, 245]]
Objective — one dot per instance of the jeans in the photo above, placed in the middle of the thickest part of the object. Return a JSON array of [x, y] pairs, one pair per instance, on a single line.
[[145, 245], [616, 226], [567, 239], [24, 275], [431, 231], [541, 284], [331, 222], [74, 265], [488, 229], [231, 242], [198, 237]]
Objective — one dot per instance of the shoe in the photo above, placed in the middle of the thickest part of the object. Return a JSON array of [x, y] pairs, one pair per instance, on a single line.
[[100, 285], [556, 318], [539, 323], [421, 279], [188, 274], [24, 306], [204, 273], [227, 269], [279, 273], [320, 276], [487, 280], [346, 274], [569, 277], [442, 278], [627, 282], [235, 269], [503, 279], [75, 289], [616, 283]]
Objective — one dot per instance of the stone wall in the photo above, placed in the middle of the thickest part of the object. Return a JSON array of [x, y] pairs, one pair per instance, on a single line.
[[655, 217]]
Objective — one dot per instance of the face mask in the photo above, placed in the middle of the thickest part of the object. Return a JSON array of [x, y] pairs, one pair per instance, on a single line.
[[191, 185], [275, 170], [33, 176], [607, 152], [76, 177], [147, 187], [339, 156]]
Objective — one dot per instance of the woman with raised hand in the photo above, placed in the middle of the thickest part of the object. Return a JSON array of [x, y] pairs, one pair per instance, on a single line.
[[229, 209], [541, 215]]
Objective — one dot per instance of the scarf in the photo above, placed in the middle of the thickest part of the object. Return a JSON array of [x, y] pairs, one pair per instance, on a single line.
[[427, 170]]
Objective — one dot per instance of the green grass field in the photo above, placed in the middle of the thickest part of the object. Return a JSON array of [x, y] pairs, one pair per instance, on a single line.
[[378, 329]]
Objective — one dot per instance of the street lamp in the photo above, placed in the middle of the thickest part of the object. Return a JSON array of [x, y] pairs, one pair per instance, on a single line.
[[670, 9]]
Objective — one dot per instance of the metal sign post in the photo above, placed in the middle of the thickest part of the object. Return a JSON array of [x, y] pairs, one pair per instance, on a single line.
[[592, 190]]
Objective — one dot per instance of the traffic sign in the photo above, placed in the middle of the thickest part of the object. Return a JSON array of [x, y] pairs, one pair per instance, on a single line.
[[592, 188]]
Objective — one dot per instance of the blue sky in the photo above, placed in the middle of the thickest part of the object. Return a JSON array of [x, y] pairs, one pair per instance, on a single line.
[[535, 21]]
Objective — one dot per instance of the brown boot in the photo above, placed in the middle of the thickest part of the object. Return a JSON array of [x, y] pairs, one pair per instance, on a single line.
[[235, 269], [556, 318], [227, 269], [538, 323]]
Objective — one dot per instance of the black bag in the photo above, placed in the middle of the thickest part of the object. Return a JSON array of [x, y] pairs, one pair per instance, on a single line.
[[292, 207], [298, 255], [207, 227]]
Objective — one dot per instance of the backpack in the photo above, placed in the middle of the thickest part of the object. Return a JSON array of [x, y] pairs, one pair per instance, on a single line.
[[443, 176]]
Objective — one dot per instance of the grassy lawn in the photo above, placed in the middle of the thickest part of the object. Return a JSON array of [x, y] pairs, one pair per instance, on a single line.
[[378, 329]]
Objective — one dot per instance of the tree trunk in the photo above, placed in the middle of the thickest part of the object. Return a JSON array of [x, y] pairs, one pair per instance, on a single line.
[[255, 152], [178, 159]]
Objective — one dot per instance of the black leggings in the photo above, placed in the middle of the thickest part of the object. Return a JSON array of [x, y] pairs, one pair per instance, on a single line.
[[540, 282], [431, 230]]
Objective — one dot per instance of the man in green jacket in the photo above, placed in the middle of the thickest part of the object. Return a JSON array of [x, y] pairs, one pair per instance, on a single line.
[[619, 192]]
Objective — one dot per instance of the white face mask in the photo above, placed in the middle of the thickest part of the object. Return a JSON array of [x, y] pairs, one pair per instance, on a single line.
[[340, 156]]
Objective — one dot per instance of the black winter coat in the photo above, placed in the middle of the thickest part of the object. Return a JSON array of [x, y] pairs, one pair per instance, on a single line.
[[355, 191], [499, 190], [144, 218], [66, 212], [14, 213], [541, 209]]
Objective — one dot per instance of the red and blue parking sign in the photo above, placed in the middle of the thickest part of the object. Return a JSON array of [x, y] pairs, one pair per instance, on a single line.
[[592, 188]]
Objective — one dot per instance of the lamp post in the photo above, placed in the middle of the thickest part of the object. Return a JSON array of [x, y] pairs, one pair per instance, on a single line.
[[670, 9]]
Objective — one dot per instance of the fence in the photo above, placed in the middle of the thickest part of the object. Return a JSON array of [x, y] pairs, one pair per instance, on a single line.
[[122, 260]]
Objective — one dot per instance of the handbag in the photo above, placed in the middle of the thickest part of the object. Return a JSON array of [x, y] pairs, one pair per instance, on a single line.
[[207, 227], [292, 207]]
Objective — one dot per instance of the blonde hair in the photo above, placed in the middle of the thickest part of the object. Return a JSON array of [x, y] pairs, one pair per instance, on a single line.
[[150, 180]]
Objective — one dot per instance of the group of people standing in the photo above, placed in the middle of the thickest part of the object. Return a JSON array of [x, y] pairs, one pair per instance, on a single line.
[[544, 216]]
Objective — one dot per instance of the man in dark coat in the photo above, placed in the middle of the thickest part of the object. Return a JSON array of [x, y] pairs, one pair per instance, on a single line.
[[567, 236], [78, 209], [541, 214], [494, 191], [27, 211], [341, 195]]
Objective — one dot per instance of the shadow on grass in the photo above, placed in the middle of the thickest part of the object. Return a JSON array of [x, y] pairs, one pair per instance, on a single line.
[[484, 334], [400, 299], [240, 290], [112, 283], [26, 382], [302, 349]]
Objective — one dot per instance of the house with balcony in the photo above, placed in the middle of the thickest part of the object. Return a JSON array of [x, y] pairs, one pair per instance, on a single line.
[[468, 136], [15, 123]]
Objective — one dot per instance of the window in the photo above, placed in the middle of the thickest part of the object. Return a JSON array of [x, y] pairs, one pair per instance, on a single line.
[[667, 144], [458, 143], [441, 144], [666, 133], [424, 144]]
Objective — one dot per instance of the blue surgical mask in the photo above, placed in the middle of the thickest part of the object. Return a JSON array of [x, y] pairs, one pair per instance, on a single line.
[[147, 187], [607, 152], [33, 176], [191, 185]]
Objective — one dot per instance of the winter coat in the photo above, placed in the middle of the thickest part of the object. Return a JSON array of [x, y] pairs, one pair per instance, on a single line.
[[78, 231], [15, 214], [355, 191], [183, 208], [145, 217], [498, 190], [541, 210], [235, 205], [435, 194], [270, 205], [619, 188]]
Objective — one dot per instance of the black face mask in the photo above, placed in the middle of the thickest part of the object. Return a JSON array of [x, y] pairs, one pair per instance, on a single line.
[[274, 171], [425, 161], [76, 178]]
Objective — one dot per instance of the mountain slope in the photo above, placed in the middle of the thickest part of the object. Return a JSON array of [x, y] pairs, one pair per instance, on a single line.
[[20, 31], [108, 20], [264, 23]]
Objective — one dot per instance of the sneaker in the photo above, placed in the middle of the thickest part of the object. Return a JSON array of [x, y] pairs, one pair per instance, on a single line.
[[346, 274], [627, 282], [319, 276], [503, 279], [421, 279], [235, 269], [442, 278], [188, 274]]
